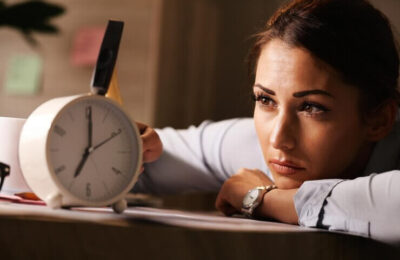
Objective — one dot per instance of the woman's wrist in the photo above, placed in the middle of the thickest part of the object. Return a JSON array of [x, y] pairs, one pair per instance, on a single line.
[[279, 204]]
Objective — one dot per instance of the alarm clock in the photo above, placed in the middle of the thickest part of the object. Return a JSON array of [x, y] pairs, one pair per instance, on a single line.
[[83, 150], [80, 150]]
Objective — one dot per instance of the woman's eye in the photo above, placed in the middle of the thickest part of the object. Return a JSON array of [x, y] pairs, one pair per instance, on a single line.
[[264, 100], [313, 109]]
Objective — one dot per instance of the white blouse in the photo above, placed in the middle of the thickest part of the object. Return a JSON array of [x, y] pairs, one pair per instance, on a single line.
[[202, 158]]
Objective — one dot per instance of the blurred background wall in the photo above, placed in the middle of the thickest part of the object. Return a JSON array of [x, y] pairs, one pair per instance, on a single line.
[[180, 62], [136, 64]]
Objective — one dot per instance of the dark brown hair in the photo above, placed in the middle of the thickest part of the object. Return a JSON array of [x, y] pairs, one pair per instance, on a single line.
[[351, 36]]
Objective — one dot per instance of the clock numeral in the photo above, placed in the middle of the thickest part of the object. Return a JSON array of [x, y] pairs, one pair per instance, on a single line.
[[59, 169], [59, 130], [116, 171], [88, 190]]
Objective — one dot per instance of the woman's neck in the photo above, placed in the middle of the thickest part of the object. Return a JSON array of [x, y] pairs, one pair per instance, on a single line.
[[357, 168]]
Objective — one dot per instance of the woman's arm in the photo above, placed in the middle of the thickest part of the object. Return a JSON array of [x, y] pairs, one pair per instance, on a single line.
[[277, 203], [201, 158], [368, 206]]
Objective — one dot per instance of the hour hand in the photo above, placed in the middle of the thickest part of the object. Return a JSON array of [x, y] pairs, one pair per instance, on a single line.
[[82, 162]]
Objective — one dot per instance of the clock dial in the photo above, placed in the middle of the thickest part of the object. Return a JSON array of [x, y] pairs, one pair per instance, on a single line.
[[93, 149]]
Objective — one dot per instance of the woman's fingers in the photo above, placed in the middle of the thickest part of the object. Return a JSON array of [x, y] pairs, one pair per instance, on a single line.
[[152, 146], [224, 206], [151, 143], [142, 127]]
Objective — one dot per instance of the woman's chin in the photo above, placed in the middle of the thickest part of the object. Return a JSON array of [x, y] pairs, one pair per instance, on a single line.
[[286, 183]]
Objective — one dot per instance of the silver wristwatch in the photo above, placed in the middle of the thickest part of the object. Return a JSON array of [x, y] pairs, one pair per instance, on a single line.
[[253, 199]]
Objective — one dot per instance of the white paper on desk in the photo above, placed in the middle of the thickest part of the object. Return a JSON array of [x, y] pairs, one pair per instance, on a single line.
[[203, 220]]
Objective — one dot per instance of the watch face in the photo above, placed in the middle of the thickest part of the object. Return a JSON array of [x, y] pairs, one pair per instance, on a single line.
[[93, 149], [250, 198]]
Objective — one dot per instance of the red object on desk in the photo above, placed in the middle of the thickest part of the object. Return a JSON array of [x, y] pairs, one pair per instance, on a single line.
[[24, 197]]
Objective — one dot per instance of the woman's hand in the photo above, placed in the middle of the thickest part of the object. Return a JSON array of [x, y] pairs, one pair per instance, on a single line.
[[152, 146], [277, 204], [232, 192]]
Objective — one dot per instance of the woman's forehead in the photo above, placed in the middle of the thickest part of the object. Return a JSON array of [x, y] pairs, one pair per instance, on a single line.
[[281, 66]]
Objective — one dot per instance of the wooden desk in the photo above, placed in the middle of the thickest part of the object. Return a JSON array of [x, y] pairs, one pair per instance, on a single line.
[[38, 234]]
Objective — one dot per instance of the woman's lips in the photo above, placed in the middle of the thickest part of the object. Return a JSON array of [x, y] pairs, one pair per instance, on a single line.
[[285, 167]]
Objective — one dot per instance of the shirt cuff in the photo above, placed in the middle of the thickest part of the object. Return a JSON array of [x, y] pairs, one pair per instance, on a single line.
[[310, 199]]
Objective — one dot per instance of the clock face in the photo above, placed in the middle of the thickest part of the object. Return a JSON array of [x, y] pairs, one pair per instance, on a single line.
[[93, 149]]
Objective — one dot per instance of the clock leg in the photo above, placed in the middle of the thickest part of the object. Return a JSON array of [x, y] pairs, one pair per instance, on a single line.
[[120, 206], [54, 200]]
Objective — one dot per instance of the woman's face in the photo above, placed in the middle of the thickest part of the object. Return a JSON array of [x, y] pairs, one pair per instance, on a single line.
[[307, 119]]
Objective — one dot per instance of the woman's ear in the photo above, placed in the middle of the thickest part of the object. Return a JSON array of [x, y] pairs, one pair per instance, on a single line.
[[380, 121]]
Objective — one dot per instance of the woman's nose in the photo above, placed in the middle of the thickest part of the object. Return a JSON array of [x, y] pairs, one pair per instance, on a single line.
[[283, 132]]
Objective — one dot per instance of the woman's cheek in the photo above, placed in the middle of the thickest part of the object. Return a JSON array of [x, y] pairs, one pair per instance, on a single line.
[[330, 152], [263, 126]]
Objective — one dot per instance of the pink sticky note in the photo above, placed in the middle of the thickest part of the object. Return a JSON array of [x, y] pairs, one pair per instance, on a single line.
[[86, 46]]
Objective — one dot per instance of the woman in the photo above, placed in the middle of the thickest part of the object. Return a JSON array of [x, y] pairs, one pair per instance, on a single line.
[[324, 126]]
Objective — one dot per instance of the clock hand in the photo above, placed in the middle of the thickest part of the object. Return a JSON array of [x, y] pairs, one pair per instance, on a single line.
[[113, 134], [90, 125], [89, 148], [82, 162]]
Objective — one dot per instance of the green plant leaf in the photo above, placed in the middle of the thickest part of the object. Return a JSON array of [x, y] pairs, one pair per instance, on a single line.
[[31, 16]]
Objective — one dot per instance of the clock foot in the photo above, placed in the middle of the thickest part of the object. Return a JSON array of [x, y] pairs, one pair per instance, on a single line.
[[54, 200], [120, 206]]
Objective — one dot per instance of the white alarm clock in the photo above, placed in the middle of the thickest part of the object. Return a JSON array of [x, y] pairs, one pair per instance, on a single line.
[[80, 150], [83, 150]]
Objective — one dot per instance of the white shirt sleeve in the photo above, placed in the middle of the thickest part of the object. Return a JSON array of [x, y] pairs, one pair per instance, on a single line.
[[202, 158], [367, 206]]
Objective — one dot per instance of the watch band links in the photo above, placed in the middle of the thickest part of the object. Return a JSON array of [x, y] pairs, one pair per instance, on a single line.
[[269, 188]]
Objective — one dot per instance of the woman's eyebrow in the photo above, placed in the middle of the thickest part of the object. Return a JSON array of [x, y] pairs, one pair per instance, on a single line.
[[312, 92], [297, 94], [269, 91]]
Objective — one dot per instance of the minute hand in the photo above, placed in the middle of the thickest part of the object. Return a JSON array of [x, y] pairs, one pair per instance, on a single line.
[[90, 126], [113, 134]]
